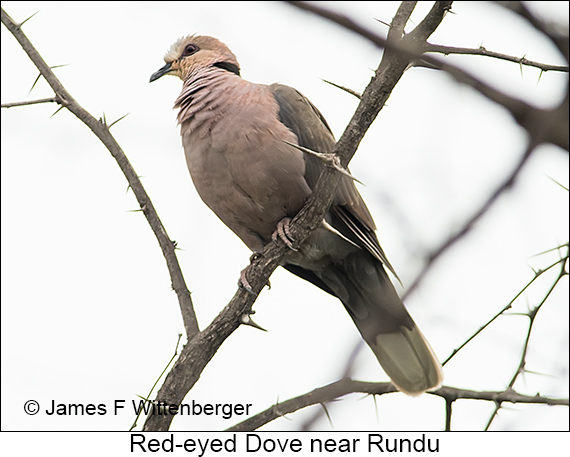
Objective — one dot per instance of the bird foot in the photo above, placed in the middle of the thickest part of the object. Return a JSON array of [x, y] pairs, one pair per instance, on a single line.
[[244, 283], [284, 233]]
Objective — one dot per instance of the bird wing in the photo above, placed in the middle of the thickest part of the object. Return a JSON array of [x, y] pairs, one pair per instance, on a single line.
[[348, 213]]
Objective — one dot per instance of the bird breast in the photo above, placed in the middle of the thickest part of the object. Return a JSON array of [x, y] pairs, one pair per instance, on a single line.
[[237, 155]]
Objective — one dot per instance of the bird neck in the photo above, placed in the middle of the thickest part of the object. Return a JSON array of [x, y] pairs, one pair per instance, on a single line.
[[204, 90]]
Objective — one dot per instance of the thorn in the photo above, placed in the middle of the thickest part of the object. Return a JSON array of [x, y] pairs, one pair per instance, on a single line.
[[376, 408], [142, 208], [538, 373], [556, 182], [516, 314], [40, 75], [118, 120], [279, 411], [346, 89], [327, 413], [26, 20], [382, 22], [423, 64], [246, 320], [521, 61], [34, 84], [328, 158], [57, 111], [129, 187]]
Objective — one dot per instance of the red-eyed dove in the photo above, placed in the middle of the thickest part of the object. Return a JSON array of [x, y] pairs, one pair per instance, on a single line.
[[239, 142]]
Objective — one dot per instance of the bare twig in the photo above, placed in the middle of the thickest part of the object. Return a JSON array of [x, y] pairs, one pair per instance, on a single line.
[[532, 319], [507, 306], [30, 102], [481, 51]]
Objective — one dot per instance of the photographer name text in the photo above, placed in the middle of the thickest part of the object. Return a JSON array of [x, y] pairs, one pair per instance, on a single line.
[[193, 408]]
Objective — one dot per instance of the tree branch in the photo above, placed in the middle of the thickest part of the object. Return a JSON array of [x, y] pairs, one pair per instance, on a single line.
[[101, 130], [30, 102], [532, 319], [509, 305], [481, 51], [335, 390]]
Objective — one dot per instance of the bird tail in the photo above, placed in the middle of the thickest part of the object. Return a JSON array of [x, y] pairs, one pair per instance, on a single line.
[[364, 288], [408, 359]]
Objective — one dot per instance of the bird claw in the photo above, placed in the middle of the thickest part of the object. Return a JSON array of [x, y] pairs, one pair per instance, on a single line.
[[244, 283], [284, 233]]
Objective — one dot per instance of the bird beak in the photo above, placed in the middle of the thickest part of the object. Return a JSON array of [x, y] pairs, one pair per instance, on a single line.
[[164, 70]]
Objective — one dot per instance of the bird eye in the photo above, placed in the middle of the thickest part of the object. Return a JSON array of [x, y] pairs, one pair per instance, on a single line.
[[190, 49]]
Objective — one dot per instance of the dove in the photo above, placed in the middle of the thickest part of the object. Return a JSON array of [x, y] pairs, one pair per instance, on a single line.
[[245, 146]]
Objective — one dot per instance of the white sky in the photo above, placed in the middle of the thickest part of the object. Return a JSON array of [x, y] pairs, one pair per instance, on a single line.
[[87, 311]]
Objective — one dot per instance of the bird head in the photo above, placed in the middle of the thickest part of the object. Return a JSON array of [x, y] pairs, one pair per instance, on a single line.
[[191, 53]]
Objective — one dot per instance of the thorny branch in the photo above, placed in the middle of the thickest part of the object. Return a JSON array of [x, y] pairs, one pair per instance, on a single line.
[[30, 102], [531, 314], [346, 386], [482, 51], [101, 130], [509, 305]]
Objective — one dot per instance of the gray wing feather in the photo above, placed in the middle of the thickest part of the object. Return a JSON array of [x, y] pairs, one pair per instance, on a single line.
[[348, 213]]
